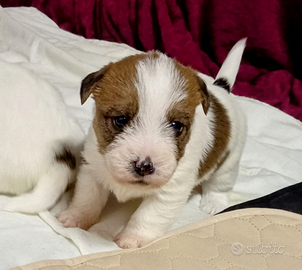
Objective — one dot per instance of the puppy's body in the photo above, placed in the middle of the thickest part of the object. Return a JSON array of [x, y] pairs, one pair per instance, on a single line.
[[40, 142], [159, 130]]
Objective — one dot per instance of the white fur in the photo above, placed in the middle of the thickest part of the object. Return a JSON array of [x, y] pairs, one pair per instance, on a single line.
[[159, 86], [35, 126]]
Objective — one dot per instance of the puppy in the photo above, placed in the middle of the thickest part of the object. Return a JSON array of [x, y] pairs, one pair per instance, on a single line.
[[159, 130], [40, 142]]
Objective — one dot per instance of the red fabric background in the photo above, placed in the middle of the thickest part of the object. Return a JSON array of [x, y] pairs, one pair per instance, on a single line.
[[199, 33]]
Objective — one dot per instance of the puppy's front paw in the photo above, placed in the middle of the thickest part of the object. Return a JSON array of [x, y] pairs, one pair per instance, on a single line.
[[126, 239], [214, 202], [72, 217]]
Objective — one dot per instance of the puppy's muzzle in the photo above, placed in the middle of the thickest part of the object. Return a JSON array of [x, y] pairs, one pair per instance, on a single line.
[[145, 167]]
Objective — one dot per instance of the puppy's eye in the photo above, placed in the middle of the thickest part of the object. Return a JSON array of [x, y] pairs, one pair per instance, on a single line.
[[120, 121], [178, 127]]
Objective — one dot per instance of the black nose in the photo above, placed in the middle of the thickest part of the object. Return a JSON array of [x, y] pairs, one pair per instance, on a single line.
[[145, 167]]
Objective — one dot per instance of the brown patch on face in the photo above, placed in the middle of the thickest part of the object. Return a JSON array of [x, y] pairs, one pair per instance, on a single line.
[[195, 86], [66, 157], [114, 92], [184, 111], [115, 95], [221, 132]]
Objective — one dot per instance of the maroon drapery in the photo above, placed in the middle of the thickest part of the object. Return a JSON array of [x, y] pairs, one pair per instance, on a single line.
[[199, 33]]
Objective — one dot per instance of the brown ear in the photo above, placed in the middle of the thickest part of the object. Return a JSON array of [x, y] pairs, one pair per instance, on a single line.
[[89, 81], [205, 95]]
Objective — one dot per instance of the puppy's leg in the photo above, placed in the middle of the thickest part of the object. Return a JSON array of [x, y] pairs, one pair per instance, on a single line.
[[45, 194], [215, 191], [87, 204], [152, 218]]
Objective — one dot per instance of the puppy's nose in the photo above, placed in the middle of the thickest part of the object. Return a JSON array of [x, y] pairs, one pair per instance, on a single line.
[[145, 167]]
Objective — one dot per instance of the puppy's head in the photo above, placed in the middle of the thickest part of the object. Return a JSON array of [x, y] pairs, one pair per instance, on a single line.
[[145, 107]]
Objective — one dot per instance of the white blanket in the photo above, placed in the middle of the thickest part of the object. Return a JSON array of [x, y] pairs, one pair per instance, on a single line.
[[272, 158]]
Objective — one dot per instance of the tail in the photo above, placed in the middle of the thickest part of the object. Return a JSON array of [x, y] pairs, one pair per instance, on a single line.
[[45, 194], [227, 74]]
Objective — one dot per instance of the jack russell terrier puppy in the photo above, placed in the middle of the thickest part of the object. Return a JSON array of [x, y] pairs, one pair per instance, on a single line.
[[159, 130], [40, 142]]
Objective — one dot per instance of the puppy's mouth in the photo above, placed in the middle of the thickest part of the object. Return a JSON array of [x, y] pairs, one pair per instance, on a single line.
[[140, 183], [144, 182]]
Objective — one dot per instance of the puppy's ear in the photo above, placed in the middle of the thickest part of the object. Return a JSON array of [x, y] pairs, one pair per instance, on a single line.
[[89, 81], [204, 94]]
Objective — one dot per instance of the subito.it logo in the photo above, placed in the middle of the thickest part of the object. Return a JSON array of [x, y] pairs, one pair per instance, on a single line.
[[237, 248]]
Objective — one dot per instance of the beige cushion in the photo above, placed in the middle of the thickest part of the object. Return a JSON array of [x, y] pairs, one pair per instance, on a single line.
[[242, 239]]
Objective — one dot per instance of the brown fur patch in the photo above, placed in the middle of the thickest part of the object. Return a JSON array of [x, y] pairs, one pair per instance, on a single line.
[[222, 131], [66, 157], [184, 111], [195, 86], [115, 95]]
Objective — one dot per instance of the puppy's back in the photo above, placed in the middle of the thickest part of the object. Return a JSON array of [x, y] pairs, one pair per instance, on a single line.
[[36, 128]]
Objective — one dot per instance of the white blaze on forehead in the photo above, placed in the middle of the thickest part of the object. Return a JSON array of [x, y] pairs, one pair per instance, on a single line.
[[159, 86]]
